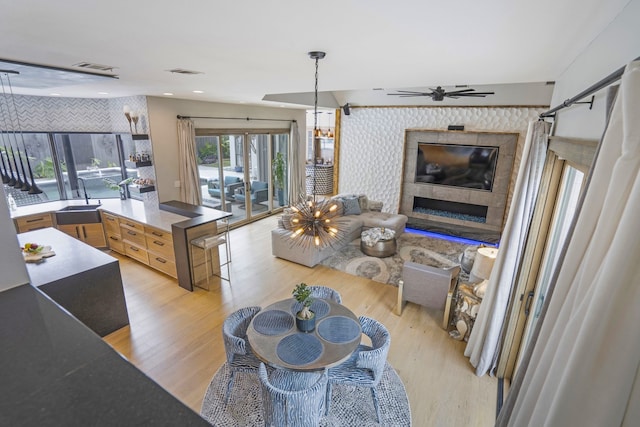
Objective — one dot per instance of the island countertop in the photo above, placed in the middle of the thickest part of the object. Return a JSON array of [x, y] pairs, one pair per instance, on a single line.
[[132, 209], [56, 372]]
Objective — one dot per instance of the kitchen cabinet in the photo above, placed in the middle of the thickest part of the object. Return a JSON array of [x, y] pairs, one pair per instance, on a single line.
[[111, 225], [149, 245], [160, 250], [33, 222], [91, 234]]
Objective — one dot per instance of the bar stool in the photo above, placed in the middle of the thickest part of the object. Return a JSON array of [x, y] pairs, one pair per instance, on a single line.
[[211, 241]]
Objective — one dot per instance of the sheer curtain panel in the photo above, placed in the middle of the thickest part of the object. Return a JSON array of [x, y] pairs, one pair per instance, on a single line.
[[190, 191], [584, 366], [484, 341]]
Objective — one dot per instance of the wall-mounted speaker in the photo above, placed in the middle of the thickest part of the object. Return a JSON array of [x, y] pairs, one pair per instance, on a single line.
[[347, 109]]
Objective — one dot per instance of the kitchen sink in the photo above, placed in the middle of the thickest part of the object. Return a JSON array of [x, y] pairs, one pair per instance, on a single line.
[[78, 214]]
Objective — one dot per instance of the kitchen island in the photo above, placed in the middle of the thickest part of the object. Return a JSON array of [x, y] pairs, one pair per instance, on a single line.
[[56, 372], [156, 236], [83, 280]]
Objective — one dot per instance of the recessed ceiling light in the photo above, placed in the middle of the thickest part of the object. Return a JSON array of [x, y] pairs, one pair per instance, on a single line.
[[54, 94], [103, 93], [198, 91], [168, 93]]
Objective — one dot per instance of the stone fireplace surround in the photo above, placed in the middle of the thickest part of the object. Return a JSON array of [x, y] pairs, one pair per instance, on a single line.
[[456, 208]]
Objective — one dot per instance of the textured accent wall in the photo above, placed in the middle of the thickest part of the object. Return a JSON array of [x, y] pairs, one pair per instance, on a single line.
[[372, 142], [58, 114]]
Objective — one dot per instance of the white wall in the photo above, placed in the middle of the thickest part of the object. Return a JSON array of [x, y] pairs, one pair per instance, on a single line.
[[163, 114], [14, 271], [372, 142], [613, 48]]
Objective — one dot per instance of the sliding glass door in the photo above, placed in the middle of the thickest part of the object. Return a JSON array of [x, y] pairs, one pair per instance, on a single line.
[[238, 172]]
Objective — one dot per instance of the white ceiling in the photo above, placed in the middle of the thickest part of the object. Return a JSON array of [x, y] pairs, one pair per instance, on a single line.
[[252, 48]]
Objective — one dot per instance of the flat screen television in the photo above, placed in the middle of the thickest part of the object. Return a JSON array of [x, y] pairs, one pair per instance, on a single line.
[[467, 166]]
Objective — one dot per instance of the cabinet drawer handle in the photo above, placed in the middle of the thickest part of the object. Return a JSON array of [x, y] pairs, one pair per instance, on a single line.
[[158, 243], [133, 249], [133, 233], [130, 225], [114, 238], [36, 219], [84, 231], [110, 218], [155, 233], [161, 260]]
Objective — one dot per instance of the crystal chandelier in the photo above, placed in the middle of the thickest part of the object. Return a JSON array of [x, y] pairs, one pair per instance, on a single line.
[[313, 219]]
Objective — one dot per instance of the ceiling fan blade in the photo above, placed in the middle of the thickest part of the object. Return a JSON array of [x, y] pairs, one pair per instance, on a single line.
[[460, 91], [478, 94], [410, 93]]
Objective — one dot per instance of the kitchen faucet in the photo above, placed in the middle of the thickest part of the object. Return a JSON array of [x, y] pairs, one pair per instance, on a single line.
[[84, 188]]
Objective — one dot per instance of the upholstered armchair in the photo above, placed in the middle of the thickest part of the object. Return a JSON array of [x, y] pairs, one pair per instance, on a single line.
[[428, 286], [259, 193], [365, 366], [325, 293], [230, 185], [292, 398], [240, 358]]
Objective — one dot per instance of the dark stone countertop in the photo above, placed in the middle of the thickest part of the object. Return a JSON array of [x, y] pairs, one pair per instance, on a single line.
[[199, 214], [56, 372]]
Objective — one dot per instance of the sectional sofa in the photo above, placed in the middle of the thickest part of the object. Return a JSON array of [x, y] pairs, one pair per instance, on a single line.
[[355, 214]]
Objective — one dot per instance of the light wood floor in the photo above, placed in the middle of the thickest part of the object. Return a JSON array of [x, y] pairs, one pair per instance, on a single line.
[[175, 336]]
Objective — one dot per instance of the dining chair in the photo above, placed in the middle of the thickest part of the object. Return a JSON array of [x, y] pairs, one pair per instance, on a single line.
[[240, 358], [292, 398], [365, 366], [325, 292]]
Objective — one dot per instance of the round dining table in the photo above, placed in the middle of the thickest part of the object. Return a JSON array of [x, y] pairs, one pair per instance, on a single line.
[[275, 339]]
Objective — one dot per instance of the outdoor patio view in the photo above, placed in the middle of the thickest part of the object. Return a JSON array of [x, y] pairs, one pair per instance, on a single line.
[[244, 173]]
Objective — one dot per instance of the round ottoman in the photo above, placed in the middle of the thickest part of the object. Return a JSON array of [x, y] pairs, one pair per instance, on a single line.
[[378, 242]]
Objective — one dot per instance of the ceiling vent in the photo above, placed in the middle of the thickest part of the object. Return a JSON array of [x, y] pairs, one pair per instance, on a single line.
[[183, 71], [92, 66]]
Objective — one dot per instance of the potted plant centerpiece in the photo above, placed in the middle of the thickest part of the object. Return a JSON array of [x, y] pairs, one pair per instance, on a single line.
[[305, 318], [279, 172]]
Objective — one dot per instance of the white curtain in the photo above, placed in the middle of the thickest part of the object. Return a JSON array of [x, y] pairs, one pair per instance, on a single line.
[[297, 170], [484, 342], [190, 191], [584, 366]]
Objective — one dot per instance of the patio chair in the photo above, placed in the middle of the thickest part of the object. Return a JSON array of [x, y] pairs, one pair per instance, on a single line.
[[292, 398], [240, 358], [230, 185], [259, 193], [365, 366]]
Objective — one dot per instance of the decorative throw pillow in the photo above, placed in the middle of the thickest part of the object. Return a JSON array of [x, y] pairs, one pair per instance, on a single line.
[[351, 206], [339, 205], [375, 205], [363, 201], [286, 221]]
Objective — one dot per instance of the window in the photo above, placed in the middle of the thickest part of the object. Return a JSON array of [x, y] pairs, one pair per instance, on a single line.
[[64, 166]]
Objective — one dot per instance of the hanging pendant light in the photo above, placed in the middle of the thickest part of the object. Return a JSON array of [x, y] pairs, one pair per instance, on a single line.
[[314, 220], [9, 101]]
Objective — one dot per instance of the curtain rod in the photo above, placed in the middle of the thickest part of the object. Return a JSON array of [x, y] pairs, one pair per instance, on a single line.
[[234, 118], [611, 78]]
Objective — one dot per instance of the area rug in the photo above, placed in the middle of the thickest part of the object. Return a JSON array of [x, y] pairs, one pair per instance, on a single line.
[[413, 247], [350, 406]]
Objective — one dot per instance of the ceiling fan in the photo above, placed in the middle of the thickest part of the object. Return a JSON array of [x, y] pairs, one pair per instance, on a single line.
[[438, 94]]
